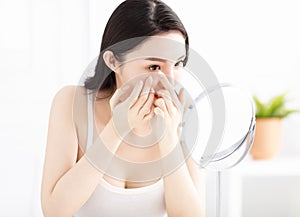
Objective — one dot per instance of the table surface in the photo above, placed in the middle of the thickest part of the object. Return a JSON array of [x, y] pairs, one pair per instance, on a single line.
[[281, 165]]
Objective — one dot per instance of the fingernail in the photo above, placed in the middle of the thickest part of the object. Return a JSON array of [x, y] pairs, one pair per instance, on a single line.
[[160, 74], [125, 87], [152, 90], [140, 83]]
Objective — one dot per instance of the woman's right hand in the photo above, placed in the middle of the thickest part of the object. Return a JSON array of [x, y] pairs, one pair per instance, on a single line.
[[135, 112]]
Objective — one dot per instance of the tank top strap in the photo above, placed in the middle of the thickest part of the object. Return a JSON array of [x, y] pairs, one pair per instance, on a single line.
[[90, 111]]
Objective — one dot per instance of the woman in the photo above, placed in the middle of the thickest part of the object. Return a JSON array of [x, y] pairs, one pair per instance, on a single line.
[[75, 182]]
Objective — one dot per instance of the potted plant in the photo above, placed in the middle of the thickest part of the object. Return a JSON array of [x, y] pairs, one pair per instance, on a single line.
[[269, 118]]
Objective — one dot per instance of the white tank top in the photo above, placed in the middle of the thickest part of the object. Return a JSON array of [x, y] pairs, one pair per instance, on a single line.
[[110, 201]]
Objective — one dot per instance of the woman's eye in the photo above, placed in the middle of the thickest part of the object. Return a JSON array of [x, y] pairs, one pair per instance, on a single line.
[[180, 63], [154, 67]]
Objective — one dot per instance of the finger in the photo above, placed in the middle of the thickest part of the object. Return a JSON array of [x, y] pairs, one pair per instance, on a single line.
[[158, 123], [158, 111], [164, 93], [166, 84], [167, 99], [134, 94], [146, 108], [150, 114], [144, 95], [182, 96], [160, 103], [148, 85], [115, 99]]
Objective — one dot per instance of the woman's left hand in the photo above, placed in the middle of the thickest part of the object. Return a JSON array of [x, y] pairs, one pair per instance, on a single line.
[[171, 107]]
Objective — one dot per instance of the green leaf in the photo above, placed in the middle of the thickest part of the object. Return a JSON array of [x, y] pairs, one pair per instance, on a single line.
[[260, 107], [276, 105], [287, 112], [274, 108]]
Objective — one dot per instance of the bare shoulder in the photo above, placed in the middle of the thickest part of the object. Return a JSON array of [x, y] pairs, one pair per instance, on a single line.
[[65, 96], [67, 102], [68, 92], [69, 113]]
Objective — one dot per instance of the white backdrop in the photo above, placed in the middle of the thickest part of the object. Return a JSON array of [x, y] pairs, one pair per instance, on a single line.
[[45, 45]]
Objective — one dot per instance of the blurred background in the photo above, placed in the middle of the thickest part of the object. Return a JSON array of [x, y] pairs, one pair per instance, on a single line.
[[45, 45]]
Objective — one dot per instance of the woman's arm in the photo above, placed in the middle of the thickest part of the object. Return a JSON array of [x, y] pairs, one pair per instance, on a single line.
[[198, 177], [184, 194], [184, 188], [67, 184]]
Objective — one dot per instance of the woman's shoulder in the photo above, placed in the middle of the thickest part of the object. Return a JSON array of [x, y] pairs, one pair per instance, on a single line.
[[67, 95], [68, 91]]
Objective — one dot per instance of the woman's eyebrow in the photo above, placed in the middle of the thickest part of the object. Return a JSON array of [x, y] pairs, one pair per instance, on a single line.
[[162, 60], [156, 59]]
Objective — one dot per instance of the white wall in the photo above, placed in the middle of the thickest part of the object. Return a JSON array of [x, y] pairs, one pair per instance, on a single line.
[[45, 45]]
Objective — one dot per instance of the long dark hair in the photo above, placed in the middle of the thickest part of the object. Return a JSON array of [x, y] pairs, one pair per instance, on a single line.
[[132, 19]]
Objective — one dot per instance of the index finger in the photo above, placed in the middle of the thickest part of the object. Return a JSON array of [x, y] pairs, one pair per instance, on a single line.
[[115, 99], [165, 82]]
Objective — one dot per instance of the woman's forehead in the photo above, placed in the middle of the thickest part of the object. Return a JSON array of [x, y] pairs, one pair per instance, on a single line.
[[170, 47]]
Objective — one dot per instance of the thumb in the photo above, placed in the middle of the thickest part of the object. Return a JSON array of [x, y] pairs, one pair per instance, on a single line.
[[115, 99], [158, 124], [159, 112]]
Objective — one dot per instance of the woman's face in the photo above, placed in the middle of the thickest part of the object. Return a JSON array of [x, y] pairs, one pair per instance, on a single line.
[[162, 53]]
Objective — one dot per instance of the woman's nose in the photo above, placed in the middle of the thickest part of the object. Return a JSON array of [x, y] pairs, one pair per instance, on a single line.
[[169, 72]]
